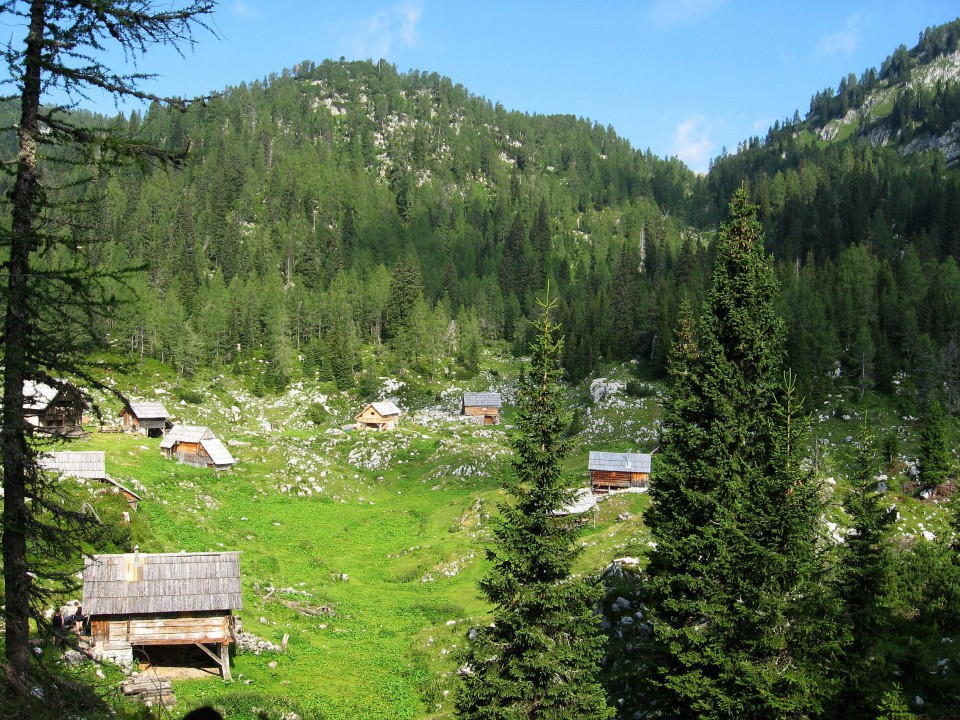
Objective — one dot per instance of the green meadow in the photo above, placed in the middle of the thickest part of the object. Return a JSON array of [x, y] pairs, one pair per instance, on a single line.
[[364, 549]]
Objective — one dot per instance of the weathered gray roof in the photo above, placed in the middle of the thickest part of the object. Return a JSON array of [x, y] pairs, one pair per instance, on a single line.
[[76, 464], [385, 408], [148, 410], [122, 487], [481, 399], [37, 395], [168, 582], [186, 433], [217, 451], [619, 462]]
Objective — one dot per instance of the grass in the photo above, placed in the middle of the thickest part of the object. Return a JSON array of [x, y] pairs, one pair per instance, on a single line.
[[366, 548]]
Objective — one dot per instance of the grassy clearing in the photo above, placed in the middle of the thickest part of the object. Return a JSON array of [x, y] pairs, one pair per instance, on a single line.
[[364, 548]]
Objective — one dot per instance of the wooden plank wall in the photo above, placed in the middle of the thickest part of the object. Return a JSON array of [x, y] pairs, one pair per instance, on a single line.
[[146, 630], [610, 479]]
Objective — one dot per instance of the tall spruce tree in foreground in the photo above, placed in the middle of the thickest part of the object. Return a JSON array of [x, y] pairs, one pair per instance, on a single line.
[[540, 656], [739, 628], [50, 298]]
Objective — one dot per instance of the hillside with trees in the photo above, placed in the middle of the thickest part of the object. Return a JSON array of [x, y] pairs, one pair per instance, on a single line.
[[783, 332], [344, 204]]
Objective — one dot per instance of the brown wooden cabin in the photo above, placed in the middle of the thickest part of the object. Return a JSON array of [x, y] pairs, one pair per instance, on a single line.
[[149, 418], [196, 446], [618, 471], [381, 415], [165, 599], [53, 410], [484, 407], [89, 465]]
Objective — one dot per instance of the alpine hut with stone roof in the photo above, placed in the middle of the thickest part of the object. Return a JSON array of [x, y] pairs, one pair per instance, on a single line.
[[149, 418], [139, 600], [381, 415], [196, 446], [483, 407], [618, 471], [53, 410]]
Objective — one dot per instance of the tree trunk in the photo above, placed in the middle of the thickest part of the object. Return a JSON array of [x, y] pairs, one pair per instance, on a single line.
[[17, 463]]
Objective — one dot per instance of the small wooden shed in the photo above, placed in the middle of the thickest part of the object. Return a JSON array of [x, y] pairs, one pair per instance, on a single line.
[[89, 465], [381, 415], [196, 446], [53, 410], [141, 600], [484, 407], [618, 471], [150, 418]]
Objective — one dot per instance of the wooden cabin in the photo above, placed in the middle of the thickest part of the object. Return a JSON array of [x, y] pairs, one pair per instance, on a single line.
[[483, 407], [137, 601], [88, 466], [196, 446], [53, 410], [149, 418], [618, 471], [381, 415]]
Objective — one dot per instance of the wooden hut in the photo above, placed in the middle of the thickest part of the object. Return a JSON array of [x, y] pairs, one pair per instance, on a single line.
[[149, 418], [88, 466], [483, 407], [381, 415], [53, 410], [618, 471], [197, 446], [142, 600]]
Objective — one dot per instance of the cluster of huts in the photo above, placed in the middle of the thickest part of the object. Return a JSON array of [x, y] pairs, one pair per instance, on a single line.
[[139, 604]]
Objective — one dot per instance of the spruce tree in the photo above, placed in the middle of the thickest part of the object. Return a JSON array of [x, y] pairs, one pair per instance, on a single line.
[[862, 583], [739, 629], [933, 456], [50, 309], [540, 656]]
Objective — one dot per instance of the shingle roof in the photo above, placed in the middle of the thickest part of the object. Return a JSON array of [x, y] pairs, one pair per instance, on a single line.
[[124, 488], [385, 408], [76, 464], [37, 395], [217, 451], [619, 462], [481, 399], [167, 582], [186, 433], [148, 410]]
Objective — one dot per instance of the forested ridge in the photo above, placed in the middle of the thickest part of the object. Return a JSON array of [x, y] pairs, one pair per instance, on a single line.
[[345, 204]]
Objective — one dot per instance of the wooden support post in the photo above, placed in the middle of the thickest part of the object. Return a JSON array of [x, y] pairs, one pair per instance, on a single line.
[[223, 660]]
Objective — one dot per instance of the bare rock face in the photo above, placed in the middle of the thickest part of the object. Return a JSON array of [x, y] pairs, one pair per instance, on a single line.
[[601, 389]]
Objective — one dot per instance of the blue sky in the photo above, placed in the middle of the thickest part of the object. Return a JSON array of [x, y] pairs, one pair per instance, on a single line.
[[680, 77]]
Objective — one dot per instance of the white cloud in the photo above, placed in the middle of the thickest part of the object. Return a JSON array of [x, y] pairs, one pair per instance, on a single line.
[[843, 42], [675, 12], [381, 32], [692, 143], [245, 10]]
